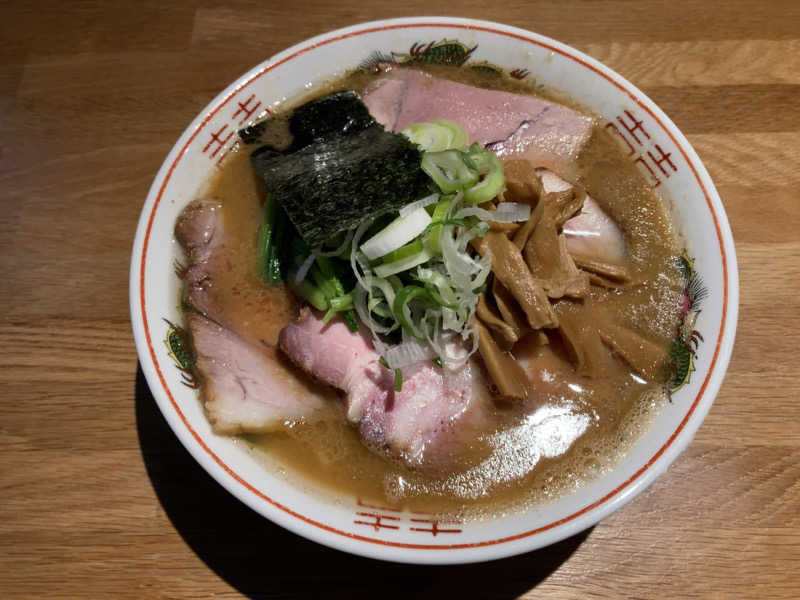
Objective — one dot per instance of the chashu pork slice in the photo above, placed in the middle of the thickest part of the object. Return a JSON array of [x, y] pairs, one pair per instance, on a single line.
[[246, 385], [426, 424], [512, 125]]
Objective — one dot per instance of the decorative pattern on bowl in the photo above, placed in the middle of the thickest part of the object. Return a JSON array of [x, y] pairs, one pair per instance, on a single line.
[[651, 141]]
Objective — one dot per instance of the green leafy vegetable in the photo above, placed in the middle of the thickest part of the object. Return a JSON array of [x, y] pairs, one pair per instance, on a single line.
[[309, 292], [330, 285], [398, 380], [271, 238]]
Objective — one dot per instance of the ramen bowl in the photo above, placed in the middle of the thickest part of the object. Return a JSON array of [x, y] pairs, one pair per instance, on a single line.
[[700, 351]]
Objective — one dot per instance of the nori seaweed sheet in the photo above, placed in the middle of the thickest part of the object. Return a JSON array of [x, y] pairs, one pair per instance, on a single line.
[[340, 112], [336, 182], [265, 153], [252, 133]]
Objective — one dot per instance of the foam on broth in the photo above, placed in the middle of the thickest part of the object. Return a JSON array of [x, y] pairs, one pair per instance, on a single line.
[[579, 427]]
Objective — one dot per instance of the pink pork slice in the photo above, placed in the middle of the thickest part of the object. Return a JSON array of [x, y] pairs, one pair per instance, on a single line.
[[245, 387], [512, 125], [426, 423], [591, 233]]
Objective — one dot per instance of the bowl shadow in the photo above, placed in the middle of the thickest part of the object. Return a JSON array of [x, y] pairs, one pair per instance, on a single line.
[[263, 560]]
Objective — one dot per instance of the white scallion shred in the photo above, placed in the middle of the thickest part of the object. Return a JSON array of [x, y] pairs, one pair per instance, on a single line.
[[422, 203], [507, 212], [345, 244], [396, 234], [355, 259], [438, 323], [407, 353], [403, 265], [304, 268]]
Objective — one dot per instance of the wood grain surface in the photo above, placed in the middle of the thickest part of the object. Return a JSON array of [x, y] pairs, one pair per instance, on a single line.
[[97, 497]]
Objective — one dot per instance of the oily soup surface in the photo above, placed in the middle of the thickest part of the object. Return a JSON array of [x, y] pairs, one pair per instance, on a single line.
[[578, 427]]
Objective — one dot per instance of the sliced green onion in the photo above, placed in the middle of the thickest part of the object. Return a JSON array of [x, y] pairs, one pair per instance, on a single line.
[[490, 167], [386, 288], [380, 308], [341, 241], [404, 252], [506, 212], [437, 135], [398, 380], [438, 287], [404, 264], [402, 309], [366, 303], [397, 233], [302, 267], [395, 282], [449, 170], [439, 214], [421, 203], [459, 135], [408, 352]]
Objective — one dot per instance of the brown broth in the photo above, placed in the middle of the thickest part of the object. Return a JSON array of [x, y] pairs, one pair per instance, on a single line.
[[525, 456]]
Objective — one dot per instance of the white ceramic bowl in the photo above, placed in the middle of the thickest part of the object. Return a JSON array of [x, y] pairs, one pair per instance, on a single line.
[[643, 130]]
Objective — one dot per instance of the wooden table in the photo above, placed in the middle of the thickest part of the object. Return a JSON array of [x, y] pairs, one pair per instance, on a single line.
[[97, 497]]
